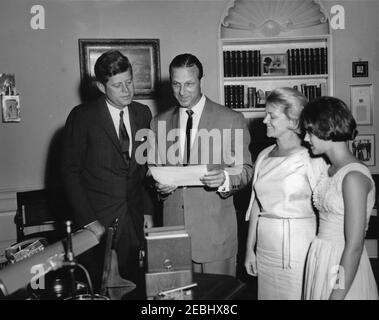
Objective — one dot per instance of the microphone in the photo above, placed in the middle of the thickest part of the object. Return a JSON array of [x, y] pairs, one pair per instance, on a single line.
[[15, 276]]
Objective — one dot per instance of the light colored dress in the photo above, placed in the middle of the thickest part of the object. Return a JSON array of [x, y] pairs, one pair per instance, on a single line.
[[326, 249], [287, 223]]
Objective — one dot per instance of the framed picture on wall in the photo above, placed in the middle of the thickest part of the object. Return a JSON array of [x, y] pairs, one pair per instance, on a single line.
[[360, 69], [143, 55], [361, 103], [363, 148], [10, 106]]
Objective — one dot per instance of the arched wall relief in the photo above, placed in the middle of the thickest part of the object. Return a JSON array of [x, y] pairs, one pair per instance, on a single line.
[[271, 18]]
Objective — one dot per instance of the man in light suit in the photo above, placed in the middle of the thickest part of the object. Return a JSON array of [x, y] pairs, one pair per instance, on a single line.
[[207, 211], [102, 178]]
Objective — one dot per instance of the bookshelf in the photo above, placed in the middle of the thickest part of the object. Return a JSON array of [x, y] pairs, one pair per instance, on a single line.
[[251, 68]]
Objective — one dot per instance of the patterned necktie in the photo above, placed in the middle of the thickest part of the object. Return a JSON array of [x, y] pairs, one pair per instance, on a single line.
[[123, 137], [188, 135]]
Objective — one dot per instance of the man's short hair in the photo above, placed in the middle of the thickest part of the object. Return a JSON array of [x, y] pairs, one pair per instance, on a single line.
[[110, 63], [186, 60]]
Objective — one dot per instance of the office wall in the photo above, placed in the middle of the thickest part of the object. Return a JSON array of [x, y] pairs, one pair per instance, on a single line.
[[46, 66]]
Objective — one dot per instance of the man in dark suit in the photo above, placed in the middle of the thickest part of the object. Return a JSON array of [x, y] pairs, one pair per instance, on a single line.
[[213, 135], [102, 178]]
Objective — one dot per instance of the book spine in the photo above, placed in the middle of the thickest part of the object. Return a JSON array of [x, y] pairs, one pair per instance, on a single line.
[[251, 97], [259, 73], [241, 96], [232, 64], [244, 64], [297, 61], [231, 97], [317, 61], [238, 64], [302, 62], [226, 96], [318, 91], [250, 62], [255, 62], [324, 61], [311, 61], [289, 64], [307, 62], [226, 55]]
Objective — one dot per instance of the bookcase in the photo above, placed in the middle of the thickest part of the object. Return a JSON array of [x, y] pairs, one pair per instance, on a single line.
[[251, 68]]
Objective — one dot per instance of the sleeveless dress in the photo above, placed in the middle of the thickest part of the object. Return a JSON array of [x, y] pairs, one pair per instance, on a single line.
[[286, 224], [326, 249]]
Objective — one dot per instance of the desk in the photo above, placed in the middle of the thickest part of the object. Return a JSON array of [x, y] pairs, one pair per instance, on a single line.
[[209, 287], [217, 287]]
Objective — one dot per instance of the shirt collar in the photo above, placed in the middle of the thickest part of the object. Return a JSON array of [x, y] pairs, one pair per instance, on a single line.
[[113, 109], [197, 108]]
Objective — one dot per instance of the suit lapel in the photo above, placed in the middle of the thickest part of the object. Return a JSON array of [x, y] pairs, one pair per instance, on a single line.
[[172, 123], [206, 116], [105, 120], [134, 124]]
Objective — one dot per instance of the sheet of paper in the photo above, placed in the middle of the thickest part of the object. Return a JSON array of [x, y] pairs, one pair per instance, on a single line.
[[179, 176]]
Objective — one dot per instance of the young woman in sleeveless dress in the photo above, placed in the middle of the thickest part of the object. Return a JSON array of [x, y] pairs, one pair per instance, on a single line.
[[337, 265], [282, 220]]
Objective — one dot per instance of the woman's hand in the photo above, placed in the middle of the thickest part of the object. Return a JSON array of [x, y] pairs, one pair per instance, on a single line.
[[251, 263]]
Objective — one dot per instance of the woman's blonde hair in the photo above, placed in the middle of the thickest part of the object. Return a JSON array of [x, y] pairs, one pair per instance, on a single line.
[[290, 101]]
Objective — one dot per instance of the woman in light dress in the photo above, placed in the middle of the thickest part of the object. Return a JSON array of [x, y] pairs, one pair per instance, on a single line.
[[282, 220], [337, 265]]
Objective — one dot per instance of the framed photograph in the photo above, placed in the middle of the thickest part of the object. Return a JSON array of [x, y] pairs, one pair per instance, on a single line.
[[363, 148], [143, 54], [7, 84], [361, 103], [360, 69], [274, 64], [10, 106]]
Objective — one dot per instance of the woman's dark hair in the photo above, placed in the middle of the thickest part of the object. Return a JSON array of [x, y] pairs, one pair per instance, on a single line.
[[329, 118], [110, 63]]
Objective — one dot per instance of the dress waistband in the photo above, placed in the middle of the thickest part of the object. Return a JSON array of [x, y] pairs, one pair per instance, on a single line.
[[273, 216], [286, 232], [331, 231]]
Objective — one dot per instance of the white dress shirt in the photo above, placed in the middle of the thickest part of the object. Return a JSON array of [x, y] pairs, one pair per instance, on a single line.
[[115, 114], [183, 117]]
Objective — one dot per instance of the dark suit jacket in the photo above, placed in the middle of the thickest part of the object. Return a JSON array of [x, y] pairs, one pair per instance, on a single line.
[[209, 217], [98, 182]]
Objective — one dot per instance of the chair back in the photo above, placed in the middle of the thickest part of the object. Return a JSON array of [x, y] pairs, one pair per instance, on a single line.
[[41, 213]]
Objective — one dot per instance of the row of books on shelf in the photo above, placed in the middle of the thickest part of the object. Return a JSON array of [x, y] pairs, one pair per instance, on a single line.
[[245, 63], [306, 61], [298, 61], [242, 97]]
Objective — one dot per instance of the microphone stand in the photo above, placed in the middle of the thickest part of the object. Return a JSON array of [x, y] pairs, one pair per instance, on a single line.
[[69, 258]]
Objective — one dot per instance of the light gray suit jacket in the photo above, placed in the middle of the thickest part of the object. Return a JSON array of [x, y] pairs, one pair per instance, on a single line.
[[209, 216]]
